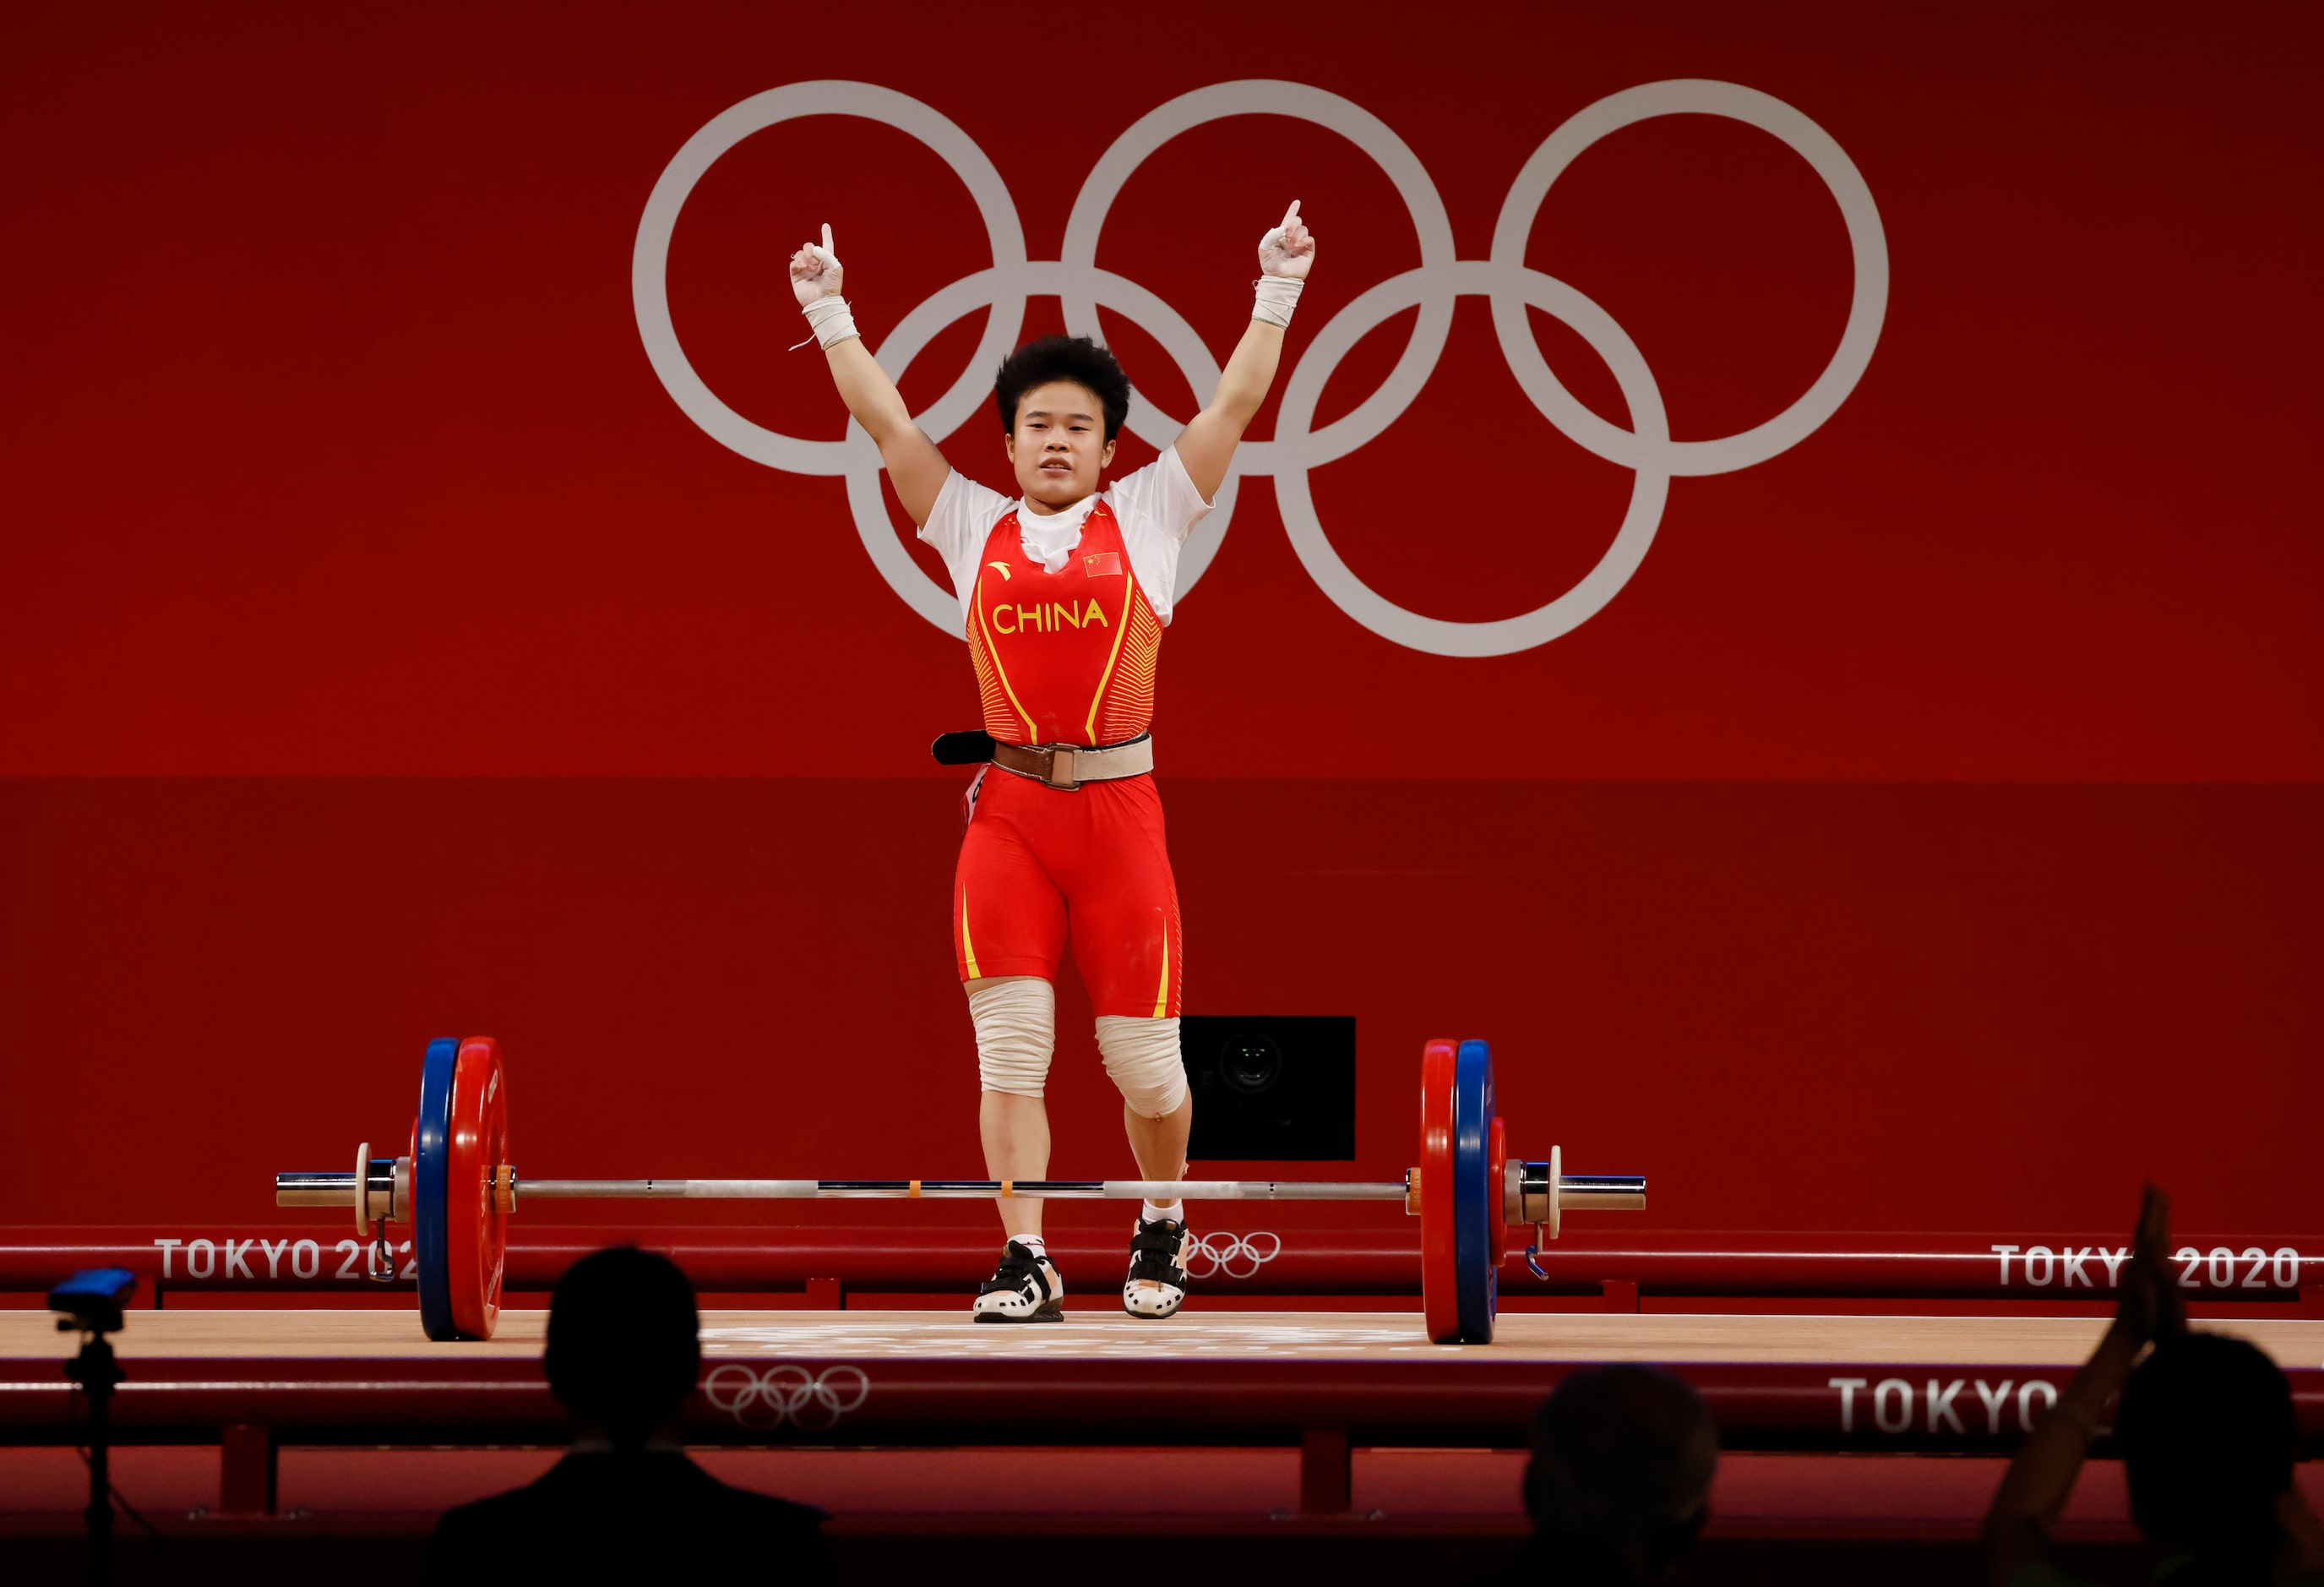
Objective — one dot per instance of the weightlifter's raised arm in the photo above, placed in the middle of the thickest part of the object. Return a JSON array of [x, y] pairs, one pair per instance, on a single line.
[[914, 467], [1207, 444]]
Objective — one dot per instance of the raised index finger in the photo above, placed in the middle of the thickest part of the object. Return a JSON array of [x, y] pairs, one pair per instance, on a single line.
[[827, 236], [1291, 213], [2154, 1223]]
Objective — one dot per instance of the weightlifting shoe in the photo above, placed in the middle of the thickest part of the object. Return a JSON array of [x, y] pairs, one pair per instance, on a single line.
[[1157, 1286], [1025, 1288]]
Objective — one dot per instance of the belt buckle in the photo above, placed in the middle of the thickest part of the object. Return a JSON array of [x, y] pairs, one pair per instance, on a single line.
[[1057, 768]]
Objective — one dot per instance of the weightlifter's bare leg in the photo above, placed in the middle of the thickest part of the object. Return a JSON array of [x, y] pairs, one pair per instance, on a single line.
[[1016, 1033], [1013, 1126], [1015, 1132], [1158, 1113], [1160, 1145]]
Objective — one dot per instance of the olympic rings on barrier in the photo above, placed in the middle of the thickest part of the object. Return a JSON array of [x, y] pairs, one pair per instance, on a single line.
[[1503, 279], [788, 1393], [1231, 1255]]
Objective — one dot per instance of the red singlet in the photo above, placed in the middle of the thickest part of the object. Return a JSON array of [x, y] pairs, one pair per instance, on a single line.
[[1067, 658]]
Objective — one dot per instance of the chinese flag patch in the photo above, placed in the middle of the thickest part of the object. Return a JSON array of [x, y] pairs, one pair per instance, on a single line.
[[1102, 565]]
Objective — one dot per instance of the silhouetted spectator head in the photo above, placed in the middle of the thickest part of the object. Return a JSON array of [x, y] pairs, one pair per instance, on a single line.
[[2207, 1442], [1623, 1457], [623, 1343]]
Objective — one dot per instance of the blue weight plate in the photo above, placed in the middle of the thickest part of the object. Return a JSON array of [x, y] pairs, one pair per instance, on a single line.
[[430, 1227], [1476, 1282]]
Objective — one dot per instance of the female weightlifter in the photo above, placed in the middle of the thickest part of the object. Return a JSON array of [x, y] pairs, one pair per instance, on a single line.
[[1063, 595]]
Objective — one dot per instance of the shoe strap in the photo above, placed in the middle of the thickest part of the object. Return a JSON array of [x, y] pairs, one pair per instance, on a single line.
[[1020, 1269], [1154, 1253], [1160, 1237]]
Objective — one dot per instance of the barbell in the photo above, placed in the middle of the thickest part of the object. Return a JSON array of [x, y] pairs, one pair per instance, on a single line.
[[456, 1189]]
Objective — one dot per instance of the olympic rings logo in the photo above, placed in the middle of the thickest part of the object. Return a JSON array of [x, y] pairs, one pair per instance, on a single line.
[[807, 1400], [1231, 1255], [1502, 278]]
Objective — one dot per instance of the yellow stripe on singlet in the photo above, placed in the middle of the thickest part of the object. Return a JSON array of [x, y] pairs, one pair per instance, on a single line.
[[1121, 628], [968, 948], [1162, 995], [1032, 734]]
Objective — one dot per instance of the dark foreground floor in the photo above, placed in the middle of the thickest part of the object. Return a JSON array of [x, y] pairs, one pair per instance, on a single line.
[[1348, 1558]]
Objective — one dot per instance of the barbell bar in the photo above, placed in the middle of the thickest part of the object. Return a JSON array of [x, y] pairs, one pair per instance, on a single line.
[[1603, 1192], [457, 1188]]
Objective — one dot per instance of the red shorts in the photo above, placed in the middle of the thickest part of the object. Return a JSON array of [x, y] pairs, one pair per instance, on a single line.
[[1037, 861]]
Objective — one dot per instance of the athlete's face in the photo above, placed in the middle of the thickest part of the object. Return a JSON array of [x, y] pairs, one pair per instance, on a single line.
[[1059, 443]]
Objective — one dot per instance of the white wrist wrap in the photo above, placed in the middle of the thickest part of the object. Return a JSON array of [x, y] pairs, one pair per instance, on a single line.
[[831, 320], [1277, 296]]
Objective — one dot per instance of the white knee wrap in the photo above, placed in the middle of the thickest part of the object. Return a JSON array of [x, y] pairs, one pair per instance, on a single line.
[[1142, 1057], [1015, 1032]]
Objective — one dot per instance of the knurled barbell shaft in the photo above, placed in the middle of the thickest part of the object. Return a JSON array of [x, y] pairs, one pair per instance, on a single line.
[[1032, 1189], [1607, 1192]]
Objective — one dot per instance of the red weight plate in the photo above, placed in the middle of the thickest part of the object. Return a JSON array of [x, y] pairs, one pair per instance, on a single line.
[[1439, 1262], [476, 1232], [1500, 1192]]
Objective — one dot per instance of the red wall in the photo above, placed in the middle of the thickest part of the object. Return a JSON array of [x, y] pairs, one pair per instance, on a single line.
[[1932, 820], [1795, 1005]]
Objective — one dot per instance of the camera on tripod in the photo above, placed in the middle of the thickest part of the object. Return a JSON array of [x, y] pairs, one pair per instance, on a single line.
[[91, 1300]]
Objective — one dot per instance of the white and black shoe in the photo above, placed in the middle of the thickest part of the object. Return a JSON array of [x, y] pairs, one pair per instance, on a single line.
[[1157, 1286], [1025, 1288]]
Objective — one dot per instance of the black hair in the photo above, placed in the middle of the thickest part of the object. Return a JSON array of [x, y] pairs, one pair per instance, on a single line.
[[2207, 1441], [1624, 1455], [1078, 359], [623, 1342]]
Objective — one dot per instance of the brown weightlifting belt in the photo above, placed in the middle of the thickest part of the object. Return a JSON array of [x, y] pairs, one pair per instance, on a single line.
[[1068, 765]]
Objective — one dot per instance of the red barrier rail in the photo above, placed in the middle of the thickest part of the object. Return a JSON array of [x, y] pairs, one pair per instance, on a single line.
[[1239, 1257], [1468, 1400]]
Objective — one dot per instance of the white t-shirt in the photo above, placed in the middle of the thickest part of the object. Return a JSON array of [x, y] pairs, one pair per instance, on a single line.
[[1157, 507]]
